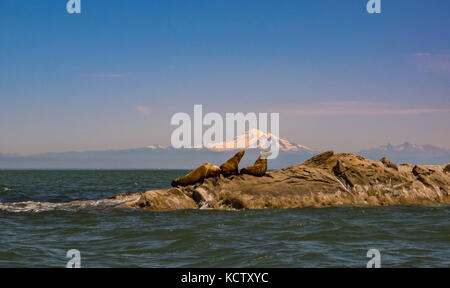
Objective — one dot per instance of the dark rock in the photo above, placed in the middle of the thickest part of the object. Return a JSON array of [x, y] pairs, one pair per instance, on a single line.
[[420, 170], [447, 169]]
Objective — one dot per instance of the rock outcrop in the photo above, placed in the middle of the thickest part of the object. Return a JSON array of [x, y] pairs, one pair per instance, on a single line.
[[327, 179], [167, 199]]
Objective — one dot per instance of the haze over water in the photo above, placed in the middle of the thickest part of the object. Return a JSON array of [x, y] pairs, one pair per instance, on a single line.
[[111, 237]]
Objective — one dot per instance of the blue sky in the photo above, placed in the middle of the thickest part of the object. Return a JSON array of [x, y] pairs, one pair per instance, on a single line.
[[113, 76]]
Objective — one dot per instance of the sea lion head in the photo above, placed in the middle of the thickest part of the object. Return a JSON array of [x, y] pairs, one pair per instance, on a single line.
[[239, 155]]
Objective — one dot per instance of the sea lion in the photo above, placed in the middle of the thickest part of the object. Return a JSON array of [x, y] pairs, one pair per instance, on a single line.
[[388, 163], [213, 171], [195, 176], [231, 167], [260, 167]]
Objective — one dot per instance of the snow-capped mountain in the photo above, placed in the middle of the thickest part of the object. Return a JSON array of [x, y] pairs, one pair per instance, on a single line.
[[256, 139], [411, 153]]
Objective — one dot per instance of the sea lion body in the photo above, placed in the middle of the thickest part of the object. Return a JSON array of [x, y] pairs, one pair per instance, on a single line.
[[197, 175], [259, 168], [213, 171], [231, 166]]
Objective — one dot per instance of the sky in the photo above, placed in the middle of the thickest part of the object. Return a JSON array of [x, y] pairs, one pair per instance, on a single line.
[[113, 76]]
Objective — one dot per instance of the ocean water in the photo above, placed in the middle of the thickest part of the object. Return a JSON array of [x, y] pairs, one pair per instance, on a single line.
[[111, 237]]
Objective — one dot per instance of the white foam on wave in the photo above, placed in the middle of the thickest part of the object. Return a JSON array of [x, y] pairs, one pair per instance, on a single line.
[[36, 207]]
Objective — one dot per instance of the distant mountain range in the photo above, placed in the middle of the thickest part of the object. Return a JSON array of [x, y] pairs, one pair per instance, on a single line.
[[161, 157], [409, 153]]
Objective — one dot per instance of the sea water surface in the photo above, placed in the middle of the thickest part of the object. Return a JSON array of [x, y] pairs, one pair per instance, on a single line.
[[40, 235]]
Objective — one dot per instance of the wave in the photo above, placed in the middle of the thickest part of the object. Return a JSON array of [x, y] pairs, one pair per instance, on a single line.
[[37, 207]]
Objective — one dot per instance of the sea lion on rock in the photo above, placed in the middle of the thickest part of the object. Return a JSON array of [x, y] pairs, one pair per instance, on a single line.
[[260, 167], [231, 167], [213, 171], [388, 163], [198, 175]]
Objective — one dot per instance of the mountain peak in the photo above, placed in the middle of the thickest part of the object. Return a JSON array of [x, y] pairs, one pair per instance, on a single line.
[[255, 138]]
